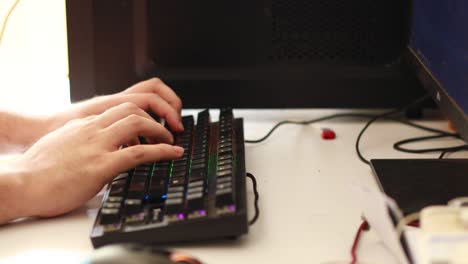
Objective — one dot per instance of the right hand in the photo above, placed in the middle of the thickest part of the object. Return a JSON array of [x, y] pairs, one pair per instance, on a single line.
[[150, 95], [70, 165]]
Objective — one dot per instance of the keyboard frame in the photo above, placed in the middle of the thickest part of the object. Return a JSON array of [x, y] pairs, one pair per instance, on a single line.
[[192, 230]]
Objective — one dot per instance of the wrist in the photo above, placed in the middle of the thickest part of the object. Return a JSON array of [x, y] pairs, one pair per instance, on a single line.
[[40, 127], [13, 194]]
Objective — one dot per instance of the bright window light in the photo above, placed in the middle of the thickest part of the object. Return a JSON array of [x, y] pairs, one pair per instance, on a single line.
[[33, 57]]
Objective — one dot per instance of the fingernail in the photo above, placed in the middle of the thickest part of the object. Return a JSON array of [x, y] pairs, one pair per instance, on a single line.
[[178, 150], [181, 126]]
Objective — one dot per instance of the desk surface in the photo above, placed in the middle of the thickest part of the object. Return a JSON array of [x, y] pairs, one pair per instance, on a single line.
[[308, 209]]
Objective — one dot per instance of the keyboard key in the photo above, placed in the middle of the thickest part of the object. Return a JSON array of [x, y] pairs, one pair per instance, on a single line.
[[225, 162], [114, 199], [197, 175], [197, 214], [225, 150], [119, 191], [223, 191], [135, 219], [199, 156], [224, 179], [227, 156], [224, 198], [195, 189], [111, 205], [224, 173], [156, 215], [179, 168], [170, 196], [195, 184], [224, 167], [193, 196], [226, 140], [175, 189], [174, 201], [196, 203], [155, 195], [175, 217], [174, 206], [198, 161], [177, 174], [119, 184], [132, 206], [109, 216], [136, 190], [198, 166], [177, 181], [225, 185]]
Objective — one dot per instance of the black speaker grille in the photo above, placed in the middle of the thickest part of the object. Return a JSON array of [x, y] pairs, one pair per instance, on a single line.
[[366, 31]]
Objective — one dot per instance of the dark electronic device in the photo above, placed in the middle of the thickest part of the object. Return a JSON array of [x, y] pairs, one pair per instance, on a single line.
[[200, 196], [438, 55], [245, 53]]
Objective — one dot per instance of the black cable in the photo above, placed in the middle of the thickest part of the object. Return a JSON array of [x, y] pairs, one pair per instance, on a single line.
[[384, 115], [398, 145], [446, 152], [334, 116], [308, 122], [257, 209], [373, 118]]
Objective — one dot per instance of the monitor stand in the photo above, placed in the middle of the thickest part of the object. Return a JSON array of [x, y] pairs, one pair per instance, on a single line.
[[417, 183]]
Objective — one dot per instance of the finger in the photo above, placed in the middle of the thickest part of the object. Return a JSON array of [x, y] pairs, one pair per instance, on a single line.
[[119, 112], [130, 157], [155, 85], [147, 101], [154, 103], [133, 142], [162, 109], [132, 126]]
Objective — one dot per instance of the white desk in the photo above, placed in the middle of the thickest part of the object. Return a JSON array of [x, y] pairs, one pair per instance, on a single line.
[[308, 209]]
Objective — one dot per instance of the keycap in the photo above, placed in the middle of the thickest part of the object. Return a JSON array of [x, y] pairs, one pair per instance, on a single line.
[[109, 216], [132, 206]]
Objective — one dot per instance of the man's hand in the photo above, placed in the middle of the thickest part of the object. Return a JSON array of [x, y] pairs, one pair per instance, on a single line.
[[67, 167], [151, 95], [19, 132]]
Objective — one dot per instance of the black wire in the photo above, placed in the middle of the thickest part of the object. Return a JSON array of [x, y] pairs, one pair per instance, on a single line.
[[446, 152], [358, 140], [388, 114], [373, 118], [308, 122], [257, 209], [398, 145]]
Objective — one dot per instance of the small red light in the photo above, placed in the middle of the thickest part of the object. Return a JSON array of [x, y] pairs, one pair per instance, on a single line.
[[328, 134]]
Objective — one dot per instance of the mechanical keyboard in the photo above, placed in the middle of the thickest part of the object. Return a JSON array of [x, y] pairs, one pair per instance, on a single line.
[[200, 196]]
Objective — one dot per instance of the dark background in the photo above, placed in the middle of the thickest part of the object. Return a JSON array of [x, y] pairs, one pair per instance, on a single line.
[[245, 53]]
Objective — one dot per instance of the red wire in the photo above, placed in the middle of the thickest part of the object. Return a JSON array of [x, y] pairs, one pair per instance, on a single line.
[[364, 226]]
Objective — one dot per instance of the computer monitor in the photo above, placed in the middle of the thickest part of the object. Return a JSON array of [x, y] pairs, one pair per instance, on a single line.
[[245, 53], [438, 53]]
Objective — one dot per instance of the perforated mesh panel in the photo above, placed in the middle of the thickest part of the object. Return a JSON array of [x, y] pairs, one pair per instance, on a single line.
[[338, 30]]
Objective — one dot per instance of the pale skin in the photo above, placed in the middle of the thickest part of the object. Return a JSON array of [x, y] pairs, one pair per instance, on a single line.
[[68, 157]]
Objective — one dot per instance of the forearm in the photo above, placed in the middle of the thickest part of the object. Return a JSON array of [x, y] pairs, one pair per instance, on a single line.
[[12, 193], [18, 132]]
